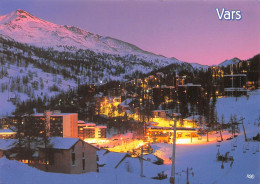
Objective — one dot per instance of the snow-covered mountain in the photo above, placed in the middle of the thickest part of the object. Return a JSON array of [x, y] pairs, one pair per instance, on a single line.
[[39, 59], [229, 62], [26, 28]]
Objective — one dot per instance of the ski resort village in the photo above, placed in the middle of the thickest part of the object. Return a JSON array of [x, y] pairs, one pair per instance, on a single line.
[[78, 107]]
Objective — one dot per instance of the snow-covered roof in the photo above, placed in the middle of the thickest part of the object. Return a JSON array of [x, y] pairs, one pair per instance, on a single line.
[[190, 85], [236, 75], [159, 110], [81, 122], [195, 117], [6, 131], [62, 143], [126, 102], [6, 144], [171, 128], [55, 114], [101, 126], [164, 86]]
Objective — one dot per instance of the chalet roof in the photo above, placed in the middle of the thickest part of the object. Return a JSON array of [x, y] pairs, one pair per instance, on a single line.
[[64, 142], [170, 128], [126, 102], [81, 122], [6, 131], [159, 110], [236, 75], [55, 114], [190, 85], [195, 117]]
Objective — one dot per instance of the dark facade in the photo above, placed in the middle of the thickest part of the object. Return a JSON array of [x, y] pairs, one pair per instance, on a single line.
[[189, 91], [235, 85], [57, 125], [162, 94], [235, 81]]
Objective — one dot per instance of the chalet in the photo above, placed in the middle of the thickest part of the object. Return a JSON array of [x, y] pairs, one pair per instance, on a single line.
[[165, 134], [7, 134], [68, 155], [64, 155], [192, 121]]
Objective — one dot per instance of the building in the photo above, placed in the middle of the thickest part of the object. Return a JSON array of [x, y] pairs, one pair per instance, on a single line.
[[7, 134], [235, 85], [68, 155], [8, 122], [58, 124], [165, 134], [179, 80], [64, 155], [163, 94], [193, 121], [160, 113], [90, 130], [189, 90]]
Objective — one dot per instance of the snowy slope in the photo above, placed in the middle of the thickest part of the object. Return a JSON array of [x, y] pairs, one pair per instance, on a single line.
[[200, 157], [102, 59], [26, 28], [229, 62], [12, 172]]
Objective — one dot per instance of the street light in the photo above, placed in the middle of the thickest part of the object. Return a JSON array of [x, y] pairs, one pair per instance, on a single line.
[[172, 178]]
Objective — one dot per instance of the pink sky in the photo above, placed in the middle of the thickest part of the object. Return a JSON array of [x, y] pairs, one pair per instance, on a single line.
[[189, 31]]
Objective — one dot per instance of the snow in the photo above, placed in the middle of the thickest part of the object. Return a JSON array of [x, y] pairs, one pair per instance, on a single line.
[[126, 102], [26, 28], [6, 130], [229, 62], [132, 165], [6, 108], [63, 143], [12, 171], [110, 159], [195, 117], [200, 157], [6, 144]]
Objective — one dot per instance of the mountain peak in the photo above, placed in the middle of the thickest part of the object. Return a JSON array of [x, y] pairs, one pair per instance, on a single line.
[[229, 62], [23, 14], [20, 11], [16, 15]]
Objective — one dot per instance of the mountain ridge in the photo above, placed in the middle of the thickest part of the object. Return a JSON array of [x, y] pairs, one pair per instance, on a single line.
[[60, 35], [23, 27]]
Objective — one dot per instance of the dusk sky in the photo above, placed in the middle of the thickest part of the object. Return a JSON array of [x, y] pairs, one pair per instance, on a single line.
[[189, 31]]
